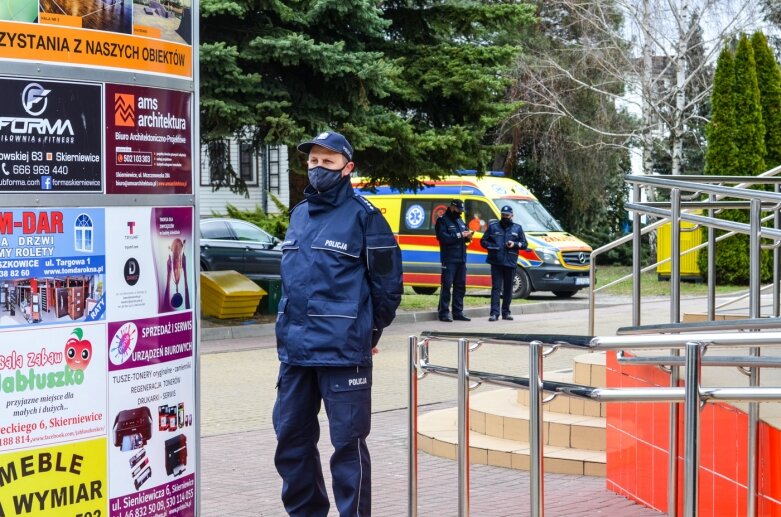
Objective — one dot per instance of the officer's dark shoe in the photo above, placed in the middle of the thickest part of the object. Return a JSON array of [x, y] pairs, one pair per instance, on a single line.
[[446, 318], [461, 317], [508, 317], [492, 317]]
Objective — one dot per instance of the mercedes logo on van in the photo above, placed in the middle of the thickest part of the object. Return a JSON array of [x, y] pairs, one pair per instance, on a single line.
[[582, 257], [34, 99]]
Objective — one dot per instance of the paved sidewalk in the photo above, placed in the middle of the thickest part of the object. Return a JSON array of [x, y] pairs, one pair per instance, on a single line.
[[237, 393]]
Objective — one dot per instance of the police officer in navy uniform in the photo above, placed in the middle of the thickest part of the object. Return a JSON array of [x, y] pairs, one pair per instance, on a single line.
[[503, 240], [341, 285], [453, 237]]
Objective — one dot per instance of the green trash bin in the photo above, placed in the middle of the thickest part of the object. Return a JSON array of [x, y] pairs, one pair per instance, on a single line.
[[269, 304]]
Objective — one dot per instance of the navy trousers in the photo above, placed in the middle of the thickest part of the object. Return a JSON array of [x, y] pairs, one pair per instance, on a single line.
[[453, 275], [501, 281], [346, 393]]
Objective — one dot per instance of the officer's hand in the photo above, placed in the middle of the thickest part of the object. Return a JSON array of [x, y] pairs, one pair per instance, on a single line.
[[510, 244], [375, 350], [466, 233]]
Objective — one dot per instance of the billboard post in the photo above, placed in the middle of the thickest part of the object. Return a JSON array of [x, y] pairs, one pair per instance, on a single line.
[[99, 305]]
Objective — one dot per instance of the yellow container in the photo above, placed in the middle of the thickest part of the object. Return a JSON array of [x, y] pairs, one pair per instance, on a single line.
[[689, 240], [229, 294]]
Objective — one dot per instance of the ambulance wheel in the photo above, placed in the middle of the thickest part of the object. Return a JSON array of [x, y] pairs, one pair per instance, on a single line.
[[522, 287], [424, 290], [564, 294]]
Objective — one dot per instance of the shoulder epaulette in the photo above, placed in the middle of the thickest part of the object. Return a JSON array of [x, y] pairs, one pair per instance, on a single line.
[[365, 203], [298, 204]]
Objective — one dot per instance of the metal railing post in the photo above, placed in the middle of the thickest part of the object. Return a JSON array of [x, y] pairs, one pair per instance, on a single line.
[[412, 411], [754, 259], [692, 428], [636, 255], [675, 317], [536, 470], [754, 312], [776, 262], [712, 264], [463, 427], [675, 255], [672, 464]]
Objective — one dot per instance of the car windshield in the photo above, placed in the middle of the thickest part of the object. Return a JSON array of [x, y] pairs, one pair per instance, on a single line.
[[530, 215]]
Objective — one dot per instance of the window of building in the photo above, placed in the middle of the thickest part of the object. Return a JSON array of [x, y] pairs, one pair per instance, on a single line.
[[83, 230], [246, 170]]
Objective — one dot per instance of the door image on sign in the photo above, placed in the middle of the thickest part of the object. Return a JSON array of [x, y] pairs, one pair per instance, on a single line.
[[19, 10], [103, 15], [164, 19]]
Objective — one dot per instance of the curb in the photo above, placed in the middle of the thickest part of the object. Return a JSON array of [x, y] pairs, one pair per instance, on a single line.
[[267, 329]]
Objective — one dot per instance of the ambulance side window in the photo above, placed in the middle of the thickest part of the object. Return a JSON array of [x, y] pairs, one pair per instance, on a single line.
[[478, 215], [418, 216]]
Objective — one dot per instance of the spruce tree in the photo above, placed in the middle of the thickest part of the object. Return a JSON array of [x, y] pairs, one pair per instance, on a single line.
[[769, 81], [417, 86], [750, 131], [721, 159]]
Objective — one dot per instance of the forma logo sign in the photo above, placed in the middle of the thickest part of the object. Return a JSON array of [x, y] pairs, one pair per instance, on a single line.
[[34, 102], [34, 99], [50, 136]]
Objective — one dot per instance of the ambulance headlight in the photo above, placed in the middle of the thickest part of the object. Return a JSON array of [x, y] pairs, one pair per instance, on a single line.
[[548, 255]]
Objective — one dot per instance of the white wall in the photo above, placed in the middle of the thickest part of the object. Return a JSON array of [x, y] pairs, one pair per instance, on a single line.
[[216, 201]]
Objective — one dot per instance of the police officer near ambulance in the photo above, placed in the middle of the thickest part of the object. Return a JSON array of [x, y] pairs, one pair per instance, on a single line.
[[453, 237], [341, 285], [503, 240]]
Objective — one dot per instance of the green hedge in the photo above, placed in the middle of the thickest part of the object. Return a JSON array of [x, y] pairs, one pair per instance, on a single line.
[[733, 257], [275, 224]]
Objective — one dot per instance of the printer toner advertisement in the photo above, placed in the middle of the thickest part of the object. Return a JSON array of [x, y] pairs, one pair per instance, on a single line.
[[151, 416]]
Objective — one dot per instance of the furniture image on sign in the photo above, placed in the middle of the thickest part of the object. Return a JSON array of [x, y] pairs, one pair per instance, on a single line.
[[76, 302], [61, 301]]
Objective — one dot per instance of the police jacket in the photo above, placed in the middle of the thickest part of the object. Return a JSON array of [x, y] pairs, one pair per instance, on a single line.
[[452, 246], [495, 240], [341, 280]]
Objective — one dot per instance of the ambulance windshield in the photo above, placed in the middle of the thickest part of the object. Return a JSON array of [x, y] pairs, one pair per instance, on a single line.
[[531, 215]]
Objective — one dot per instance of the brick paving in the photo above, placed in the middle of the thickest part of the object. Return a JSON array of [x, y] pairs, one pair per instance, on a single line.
[[237, 392]]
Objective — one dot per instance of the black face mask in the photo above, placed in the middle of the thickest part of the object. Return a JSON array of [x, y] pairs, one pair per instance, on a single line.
[[506, 221], [324, 179]]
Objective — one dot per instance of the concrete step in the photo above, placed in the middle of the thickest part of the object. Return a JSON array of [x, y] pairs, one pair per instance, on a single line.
[[438, 435], [498, 414], [589, 370]]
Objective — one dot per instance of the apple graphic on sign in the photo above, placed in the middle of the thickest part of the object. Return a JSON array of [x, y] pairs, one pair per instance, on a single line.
[[78, 351]]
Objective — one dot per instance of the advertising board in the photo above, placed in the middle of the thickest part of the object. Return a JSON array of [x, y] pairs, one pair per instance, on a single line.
[[50, 136], [148, 145]]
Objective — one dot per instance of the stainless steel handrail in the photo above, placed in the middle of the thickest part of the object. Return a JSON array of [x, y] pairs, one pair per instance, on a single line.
[[692, 394]]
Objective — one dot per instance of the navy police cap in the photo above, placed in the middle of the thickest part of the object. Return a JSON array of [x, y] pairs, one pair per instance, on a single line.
[[336, 142]]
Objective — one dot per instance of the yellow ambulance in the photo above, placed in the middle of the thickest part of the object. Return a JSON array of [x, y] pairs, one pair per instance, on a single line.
[[556, 260]]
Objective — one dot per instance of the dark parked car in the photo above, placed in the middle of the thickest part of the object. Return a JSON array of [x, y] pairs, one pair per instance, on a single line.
[[241, 246]]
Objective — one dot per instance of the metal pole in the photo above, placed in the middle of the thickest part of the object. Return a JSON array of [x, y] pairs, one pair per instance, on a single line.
[[672, 464], [776, 262], [675, 256], [755, 299], [754, 260], [412, 411], [636, 254], [463, 427], [592, 296], [692, 428], [711, 264], [536, 470]]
